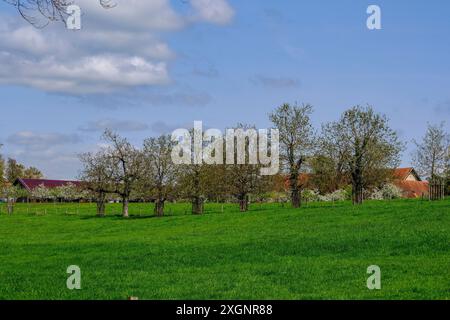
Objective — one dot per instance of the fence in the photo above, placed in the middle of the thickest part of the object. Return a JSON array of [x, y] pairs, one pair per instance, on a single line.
[[436, 189]]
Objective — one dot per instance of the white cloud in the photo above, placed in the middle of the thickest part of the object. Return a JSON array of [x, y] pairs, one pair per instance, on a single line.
[[26, 39], [94, 74], [55, 163], [214, 11], [115, 125], [116, 49], [53, 153], [193, 99], [41, 141], [132, 15], [161, 127]]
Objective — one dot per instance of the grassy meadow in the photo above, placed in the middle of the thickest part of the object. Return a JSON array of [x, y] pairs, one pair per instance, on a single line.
[[320, 251]]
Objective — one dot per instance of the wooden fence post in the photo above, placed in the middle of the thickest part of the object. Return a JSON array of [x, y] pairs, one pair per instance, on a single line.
[[436, 189]]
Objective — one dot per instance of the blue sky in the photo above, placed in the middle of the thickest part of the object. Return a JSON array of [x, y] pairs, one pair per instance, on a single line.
[[219, 61]]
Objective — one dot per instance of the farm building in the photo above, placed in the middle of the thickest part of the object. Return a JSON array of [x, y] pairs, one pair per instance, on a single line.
[[406, 179], [31, 184], [410, 183]]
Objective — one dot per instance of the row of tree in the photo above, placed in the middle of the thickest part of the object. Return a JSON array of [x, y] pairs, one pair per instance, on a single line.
[[360, 145], [357, 153], [359, 149]]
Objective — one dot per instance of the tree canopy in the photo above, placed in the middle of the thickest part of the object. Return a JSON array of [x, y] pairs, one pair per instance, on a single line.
[[365, 144]]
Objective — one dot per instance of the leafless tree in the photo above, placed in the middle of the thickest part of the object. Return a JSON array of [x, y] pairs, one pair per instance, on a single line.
[[40, 13], [160, 171], [126, 166], [193, 184], [194, 179], [206, 180], [297, 142], [96, 176], [366, 143], [431, 157], [244, 179]]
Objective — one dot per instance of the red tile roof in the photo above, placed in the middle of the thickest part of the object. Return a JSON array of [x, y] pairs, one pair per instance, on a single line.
[[402, 173], [413, 189], [31, 184]]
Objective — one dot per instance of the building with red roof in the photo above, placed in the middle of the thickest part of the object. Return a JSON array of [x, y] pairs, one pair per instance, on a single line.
[[410, 183], [406, 179], [31, 184]]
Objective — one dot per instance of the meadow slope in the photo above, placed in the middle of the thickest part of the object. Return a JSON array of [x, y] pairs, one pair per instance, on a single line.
[[320, 251]]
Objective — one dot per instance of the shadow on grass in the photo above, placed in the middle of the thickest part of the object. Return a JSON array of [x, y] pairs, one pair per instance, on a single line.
[[254, 208], [118, 217]]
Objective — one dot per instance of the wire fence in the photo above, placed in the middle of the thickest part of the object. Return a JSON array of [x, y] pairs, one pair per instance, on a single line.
[[170, 209], [135, 209]]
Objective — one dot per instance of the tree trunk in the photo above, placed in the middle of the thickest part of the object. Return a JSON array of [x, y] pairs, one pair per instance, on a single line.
[[101, 208], [433, 161], [357, 184], [295, 198], [243, 202], [159, 207], [125, 207], [197, 205], [295, 191], [357, 191], [10, 207]]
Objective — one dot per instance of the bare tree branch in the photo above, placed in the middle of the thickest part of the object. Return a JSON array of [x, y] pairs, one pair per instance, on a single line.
[[40, 13]]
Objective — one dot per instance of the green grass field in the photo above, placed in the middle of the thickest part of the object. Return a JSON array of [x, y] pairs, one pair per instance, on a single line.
[[321, 251]]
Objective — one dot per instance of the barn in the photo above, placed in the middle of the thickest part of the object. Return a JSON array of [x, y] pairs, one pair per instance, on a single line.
[[410, 183], [406, 179], [31, 184]]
